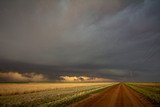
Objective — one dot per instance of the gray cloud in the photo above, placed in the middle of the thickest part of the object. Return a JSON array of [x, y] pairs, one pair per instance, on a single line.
[[116, 39], [18, 77]]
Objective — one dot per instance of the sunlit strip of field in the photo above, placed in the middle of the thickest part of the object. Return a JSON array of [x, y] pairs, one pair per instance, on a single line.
[[150, 90], [23, 88], [58, 96]]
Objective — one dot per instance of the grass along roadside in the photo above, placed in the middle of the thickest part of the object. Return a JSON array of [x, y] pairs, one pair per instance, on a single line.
[[74, 98], [152, 93]]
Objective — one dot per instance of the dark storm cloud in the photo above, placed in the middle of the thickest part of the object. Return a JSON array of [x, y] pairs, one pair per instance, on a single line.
[[117, 39]]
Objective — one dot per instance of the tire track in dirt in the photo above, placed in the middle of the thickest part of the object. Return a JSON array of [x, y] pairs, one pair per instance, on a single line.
[[116, 96]]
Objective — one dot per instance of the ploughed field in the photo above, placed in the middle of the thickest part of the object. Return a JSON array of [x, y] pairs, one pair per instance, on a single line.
[[109, 94]]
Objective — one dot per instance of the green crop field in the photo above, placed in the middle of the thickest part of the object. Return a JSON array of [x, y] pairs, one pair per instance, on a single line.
[[47, 94], [150, 90]]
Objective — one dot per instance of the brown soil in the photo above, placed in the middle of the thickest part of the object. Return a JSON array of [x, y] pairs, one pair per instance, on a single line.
[[117, 96]]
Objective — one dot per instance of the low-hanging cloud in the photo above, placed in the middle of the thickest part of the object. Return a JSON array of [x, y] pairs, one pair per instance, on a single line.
[[83, 79], [19, 77]]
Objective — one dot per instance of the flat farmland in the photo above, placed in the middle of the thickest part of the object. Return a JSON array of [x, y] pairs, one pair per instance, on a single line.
[[109, 94], [47, 94]]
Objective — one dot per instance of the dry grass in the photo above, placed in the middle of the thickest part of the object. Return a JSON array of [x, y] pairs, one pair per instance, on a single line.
[[47, 94], [13, 89]]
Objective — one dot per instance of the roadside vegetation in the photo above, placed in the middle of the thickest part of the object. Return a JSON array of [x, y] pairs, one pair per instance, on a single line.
[[150, 90], [48, 94]]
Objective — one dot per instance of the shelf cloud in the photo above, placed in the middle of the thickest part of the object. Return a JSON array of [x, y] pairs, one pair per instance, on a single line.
[[115, 39]]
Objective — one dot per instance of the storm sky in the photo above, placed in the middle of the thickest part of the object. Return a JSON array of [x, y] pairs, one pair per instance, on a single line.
[[112, 39]]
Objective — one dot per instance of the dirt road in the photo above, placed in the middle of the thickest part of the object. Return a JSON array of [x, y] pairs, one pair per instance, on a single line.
[[117, 96]]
